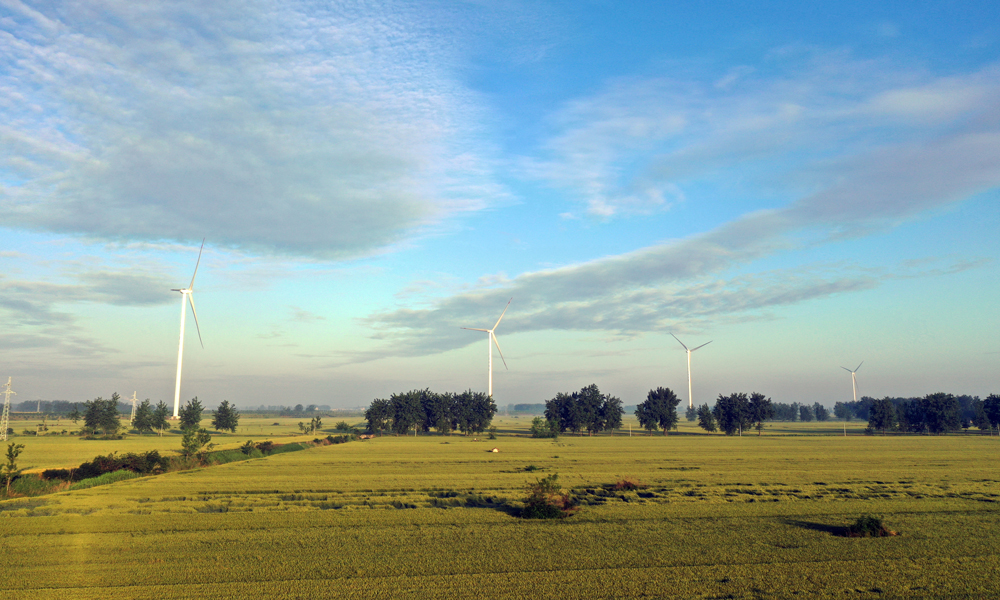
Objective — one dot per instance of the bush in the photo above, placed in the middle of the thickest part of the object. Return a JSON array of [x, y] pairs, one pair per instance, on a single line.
[[64, 474], [628, 485], [540, 428], [342, 426], [546, 500], [869, 526], [145, 463], [265, 447]]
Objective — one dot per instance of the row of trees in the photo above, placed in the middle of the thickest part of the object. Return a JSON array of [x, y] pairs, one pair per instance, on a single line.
[[102, 416], [736, 413], [468, 412], [586, 410], [934, 413]]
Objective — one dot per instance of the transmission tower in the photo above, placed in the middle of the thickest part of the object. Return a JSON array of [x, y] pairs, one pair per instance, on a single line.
[[132, 418], [5, 419]]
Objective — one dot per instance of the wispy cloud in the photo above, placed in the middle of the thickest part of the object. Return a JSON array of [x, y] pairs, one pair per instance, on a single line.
[[636, 146], [888, 153], [294, 129]]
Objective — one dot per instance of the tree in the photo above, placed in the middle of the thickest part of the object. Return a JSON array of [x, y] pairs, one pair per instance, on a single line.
[[979, 418], [540, 428], [102, 415], [9, 471], [706, 420], [190, 414], [196, 442], [882, 415], [438, 411], [941, 412], [822, 414], [378, 415], [563, 410], [226, 417], [406, 411], [991, 408], [691, 413], [659, 410], [588, 405], [732, 412], [611, 413], [143, 421], [760, 410], [75, 415], [477, 410], [842, 411], [805, 413], [160, 415]]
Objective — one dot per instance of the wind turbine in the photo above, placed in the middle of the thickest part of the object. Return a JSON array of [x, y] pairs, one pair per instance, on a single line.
[[689, 351], [854, 378], [491, 337], [187, 296]]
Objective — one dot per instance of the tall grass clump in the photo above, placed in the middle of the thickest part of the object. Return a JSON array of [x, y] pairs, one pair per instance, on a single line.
[[869, 526], [546, 500]]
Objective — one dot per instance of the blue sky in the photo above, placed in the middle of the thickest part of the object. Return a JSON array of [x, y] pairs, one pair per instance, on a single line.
[[807, 186]]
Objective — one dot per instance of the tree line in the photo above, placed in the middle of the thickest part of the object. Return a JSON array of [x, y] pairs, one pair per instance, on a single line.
[[934, 413], [102, 417], [423, 410]]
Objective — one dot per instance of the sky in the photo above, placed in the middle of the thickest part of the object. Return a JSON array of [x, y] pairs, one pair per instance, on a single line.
[[805, 185]]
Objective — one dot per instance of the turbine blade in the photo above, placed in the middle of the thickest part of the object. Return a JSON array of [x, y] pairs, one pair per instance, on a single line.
[[679, 342], [702, 346], [475, 329], [191, 287], [195, 312], [497, 344], [846, 369], [859, 366], [502, 314]]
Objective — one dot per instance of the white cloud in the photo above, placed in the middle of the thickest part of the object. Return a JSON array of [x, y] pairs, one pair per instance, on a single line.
[[274, 129], [634, 147], [857, 178]]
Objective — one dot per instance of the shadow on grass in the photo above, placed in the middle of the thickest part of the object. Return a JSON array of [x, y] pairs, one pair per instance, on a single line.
[[837, 530]]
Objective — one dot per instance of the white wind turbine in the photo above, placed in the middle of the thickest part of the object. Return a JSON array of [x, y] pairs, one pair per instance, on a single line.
[[854, 378], [491, 339], [187, 296], [689, 351]]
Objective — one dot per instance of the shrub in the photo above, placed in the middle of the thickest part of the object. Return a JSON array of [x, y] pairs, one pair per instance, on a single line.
[[540, 428], [57, 474], [342, 426], [546, 500], [869, 526], [628, 485], [265, 447], [144, 463]]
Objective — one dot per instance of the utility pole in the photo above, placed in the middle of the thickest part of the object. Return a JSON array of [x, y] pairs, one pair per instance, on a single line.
[[5, 419]]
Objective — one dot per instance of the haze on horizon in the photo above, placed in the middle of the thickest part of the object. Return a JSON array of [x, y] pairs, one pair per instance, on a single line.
[[807, 186]]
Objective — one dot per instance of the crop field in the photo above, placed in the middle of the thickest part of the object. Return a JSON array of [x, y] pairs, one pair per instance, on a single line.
[[434, 517]]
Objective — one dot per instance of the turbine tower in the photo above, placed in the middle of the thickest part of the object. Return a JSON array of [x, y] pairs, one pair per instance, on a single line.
[[854, 378], [491, 339], [187, 296], [5, 419], [689, 351], [132, 418]]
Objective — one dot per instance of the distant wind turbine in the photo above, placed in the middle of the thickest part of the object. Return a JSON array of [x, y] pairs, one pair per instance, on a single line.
[[689, 351], [187, 296], [491, 339], [854, 378]]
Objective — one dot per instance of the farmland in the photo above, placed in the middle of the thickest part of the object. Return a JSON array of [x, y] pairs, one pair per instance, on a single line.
[[431, 516]]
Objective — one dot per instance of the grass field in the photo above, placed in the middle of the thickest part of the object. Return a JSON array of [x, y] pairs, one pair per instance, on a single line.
[[427, 517]]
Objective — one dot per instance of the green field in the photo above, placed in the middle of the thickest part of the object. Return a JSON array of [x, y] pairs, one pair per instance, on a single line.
[[425, 517]]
